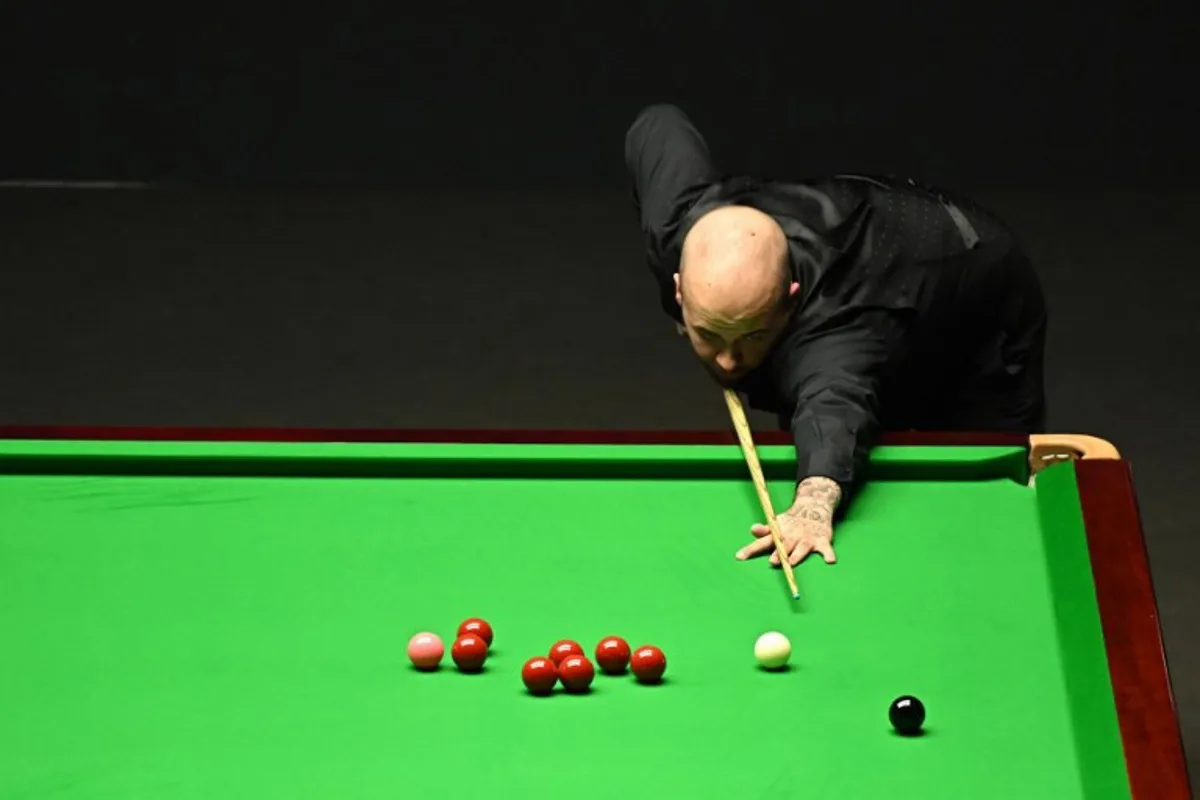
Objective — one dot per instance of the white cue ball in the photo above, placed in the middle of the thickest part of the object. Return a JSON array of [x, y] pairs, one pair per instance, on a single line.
[[772, 650]]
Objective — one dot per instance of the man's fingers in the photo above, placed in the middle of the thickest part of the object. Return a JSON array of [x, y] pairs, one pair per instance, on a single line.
[[800, 553], [797, 551], [756, 548], [788, 547], [825, 548]]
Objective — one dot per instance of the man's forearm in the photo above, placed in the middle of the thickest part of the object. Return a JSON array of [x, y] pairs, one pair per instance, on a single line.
[[818, 491]]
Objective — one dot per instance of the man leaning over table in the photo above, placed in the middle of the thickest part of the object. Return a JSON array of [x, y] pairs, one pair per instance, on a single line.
[[846, 305]]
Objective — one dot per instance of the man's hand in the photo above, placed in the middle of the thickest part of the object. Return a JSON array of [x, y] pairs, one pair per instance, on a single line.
[[805, 527]]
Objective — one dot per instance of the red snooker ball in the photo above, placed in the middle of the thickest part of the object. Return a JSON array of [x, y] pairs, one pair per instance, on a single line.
[[648, 664], [612, 654], [469, 652], [478, 627], [564, 648], [576, 673], [539, 675]]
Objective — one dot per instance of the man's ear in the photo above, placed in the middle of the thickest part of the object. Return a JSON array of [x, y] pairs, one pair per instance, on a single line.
[[678, 293], [793, 289]]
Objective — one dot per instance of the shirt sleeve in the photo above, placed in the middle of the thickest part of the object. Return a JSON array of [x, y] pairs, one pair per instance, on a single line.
[[669, 166], [834, 379]]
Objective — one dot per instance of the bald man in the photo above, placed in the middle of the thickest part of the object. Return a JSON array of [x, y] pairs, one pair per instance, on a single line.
[[846, 306]]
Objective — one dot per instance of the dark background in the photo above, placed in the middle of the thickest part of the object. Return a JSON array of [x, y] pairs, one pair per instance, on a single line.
[[475, 94], [418, 218]]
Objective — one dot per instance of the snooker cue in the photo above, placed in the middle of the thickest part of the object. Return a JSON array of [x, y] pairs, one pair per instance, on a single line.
[[742, 426]]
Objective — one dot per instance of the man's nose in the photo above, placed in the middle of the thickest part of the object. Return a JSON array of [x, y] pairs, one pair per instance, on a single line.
[[727, 361]]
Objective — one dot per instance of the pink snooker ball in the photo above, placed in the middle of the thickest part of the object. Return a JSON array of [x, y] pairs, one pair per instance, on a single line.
[[426, 650]]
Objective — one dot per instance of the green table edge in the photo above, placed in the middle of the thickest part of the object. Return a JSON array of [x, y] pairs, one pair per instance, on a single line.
[[1088, 681], [24, 456]]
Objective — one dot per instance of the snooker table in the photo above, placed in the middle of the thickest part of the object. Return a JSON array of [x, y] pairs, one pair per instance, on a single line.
[[223, 614]]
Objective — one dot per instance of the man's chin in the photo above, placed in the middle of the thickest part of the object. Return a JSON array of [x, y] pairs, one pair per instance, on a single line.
[[725, 379]]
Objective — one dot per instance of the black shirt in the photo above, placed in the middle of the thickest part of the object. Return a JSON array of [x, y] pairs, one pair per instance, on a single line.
[[898, 287]]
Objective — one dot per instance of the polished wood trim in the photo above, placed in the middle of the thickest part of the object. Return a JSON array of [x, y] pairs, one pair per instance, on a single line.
[[1141, 682]]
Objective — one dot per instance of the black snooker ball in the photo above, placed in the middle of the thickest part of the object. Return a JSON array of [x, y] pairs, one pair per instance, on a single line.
[[907, 715]]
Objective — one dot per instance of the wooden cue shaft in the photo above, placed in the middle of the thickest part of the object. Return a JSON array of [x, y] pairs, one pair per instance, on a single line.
[[742, 426]]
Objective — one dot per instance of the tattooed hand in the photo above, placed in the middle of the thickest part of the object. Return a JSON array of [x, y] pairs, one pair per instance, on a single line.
[[805, 527]]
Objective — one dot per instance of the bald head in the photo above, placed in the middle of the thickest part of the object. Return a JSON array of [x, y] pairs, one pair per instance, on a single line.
[[732, 283], [734, 264]]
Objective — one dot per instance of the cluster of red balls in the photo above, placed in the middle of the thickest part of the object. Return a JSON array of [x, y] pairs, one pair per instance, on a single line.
[[567, 663]]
